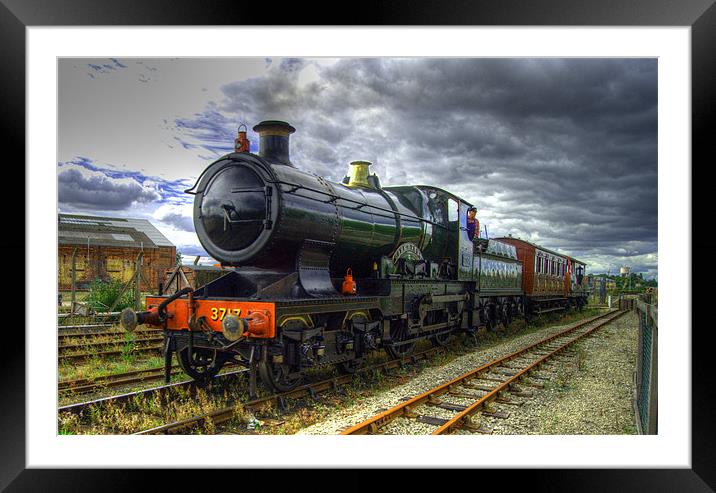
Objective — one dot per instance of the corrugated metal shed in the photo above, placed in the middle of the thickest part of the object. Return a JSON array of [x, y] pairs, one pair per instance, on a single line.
[[109, 231]]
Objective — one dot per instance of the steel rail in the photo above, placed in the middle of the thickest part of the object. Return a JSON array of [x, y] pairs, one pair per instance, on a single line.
[[458, 419], [309, 390], [90, 345], [89, 385], [79, 407], [91, 335], [372, 425], [104, 354], [85, 385], [224, 414], [88, 327]]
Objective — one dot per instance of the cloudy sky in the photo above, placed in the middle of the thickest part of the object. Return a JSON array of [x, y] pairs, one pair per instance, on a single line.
[[562, 152]]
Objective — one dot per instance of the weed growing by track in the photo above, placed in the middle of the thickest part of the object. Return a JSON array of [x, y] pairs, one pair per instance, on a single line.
[[143, 412]]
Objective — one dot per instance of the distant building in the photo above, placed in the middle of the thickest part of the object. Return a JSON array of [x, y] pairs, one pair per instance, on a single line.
[[595, 282], [624, 271], [107, 248]]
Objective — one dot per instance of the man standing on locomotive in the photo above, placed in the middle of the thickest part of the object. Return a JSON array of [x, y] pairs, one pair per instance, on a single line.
[[473, 225]]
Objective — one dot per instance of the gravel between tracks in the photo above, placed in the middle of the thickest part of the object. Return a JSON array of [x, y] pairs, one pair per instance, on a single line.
[[593, 397], [431, 377]]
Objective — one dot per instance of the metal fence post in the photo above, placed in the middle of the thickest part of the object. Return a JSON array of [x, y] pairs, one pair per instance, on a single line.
[[646, 377], [653, 391], [73, 298], [138, 281]]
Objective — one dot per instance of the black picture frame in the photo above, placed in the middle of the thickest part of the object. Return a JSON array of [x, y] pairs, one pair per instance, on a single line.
[[16, 15]]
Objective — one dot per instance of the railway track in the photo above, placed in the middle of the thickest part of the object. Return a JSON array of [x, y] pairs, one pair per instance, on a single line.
[[458, 403], [311, 390], [224, 413], [167, 393], [89, 385], [105, 344], [87, 407], [104, 354], [120, 333]]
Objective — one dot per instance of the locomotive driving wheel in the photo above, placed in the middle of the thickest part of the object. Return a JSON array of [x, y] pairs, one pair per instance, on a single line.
[[441, 339], [351, 366], [278, 376], [399, 332], [506, 315], [491, 317], [201, 364]]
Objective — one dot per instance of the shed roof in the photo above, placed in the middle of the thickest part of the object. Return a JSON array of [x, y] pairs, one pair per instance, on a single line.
[[109, 231]]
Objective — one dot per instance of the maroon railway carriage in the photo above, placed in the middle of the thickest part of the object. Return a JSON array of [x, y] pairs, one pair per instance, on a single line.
[[550, 280]]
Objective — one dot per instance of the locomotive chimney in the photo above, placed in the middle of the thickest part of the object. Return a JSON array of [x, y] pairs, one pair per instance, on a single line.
[[273, 141]]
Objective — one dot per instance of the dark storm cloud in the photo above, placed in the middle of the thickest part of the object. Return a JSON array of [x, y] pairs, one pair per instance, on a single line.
[[561, 151], [84, 185], [179, 221]]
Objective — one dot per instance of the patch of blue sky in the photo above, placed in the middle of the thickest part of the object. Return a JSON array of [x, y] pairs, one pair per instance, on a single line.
[[105, 68], [210, 130], [85, 162], [185, 145]]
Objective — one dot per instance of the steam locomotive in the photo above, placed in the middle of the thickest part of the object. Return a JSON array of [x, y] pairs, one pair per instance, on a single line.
[[326, 273]]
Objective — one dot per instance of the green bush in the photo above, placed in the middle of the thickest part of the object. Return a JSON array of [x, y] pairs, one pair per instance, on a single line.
[[102, 295]]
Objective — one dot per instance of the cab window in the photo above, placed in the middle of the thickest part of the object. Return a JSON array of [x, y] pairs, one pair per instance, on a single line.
[[436, 204], [453, 211]]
